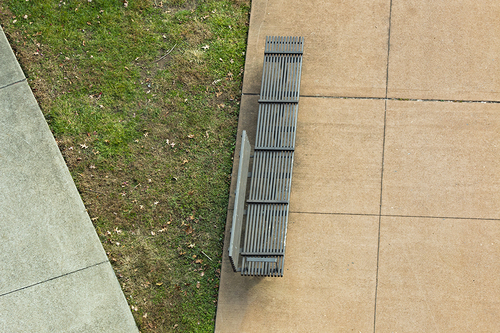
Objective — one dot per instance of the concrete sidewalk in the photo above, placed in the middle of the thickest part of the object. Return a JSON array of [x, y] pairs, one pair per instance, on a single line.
[[54, 274], [395, 215]]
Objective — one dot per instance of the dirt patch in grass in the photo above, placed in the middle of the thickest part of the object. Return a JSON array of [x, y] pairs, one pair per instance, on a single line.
[[143, 101]]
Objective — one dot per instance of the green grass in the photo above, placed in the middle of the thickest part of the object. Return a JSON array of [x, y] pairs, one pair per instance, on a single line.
[[143, 101]]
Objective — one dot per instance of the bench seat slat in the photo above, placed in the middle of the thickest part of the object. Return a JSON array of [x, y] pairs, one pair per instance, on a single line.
[[281, 78], [265, 228], [276, 125], [278, 44], [271, 176]]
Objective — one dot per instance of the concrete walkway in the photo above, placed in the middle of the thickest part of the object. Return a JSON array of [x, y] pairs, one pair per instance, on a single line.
[[395, 204], [54, 274]]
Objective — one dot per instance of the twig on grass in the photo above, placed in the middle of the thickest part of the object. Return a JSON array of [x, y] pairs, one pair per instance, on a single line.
[[91, 190], [166, 54], [206, 256]]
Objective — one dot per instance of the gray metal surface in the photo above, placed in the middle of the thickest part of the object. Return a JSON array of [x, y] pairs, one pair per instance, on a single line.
[[284, 44], [281, 78], [271, 176], [264, 233], [276, 126], [239, 202], [265, 239], [282, 70]]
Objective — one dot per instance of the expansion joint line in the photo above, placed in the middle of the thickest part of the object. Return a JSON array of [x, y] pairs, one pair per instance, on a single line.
[[13, 83], [54, 278], [382, 167]]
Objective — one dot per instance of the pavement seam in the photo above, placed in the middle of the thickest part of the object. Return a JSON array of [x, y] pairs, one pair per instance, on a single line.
[[400, 99], [404, 216], [346, 214], [382, 168], [54, 278], [13, 83]]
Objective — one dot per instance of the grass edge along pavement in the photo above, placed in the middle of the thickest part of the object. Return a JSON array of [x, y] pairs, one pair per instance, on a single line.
[[143, 100]]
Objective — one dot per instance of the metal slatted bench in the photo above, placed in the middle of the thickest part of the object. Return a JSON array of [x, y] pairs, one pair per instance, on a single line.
[[257, 248]]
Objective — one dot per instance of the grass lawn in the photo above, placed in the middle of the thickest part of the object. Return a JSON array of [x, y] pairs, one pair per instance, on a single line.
[[142, 97]]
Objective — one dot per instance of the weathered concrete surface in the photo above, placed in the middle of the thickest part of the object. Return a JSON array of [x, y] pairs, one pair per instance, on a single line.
[[88, 300], [54, 274], [328, 284], [438, 275], [10, 71], [345, 51], [338, 158], [442, 159], [445, 50], [394, 222], [46, 231]]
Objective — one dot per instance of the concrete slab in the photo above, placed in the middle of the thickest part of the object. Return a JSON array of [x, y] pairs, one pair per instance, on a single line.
[[328, 285], [445, 50], [54, 275], [89, 300], [438, 275], [345, 44], [441, 159], [46, 231], [338, 156], [10, 71]]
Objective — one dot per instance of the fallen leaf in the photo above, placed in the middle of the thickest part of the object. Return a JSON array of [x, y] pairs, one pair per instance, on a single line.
[[198, 284], [198, 261], [189, 230], [159, 283], [191, 245], [191, 136]]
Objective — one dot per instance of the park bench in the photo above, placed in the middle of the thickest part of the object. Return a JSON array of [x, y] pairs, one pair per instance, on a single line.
[[257, 247]]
